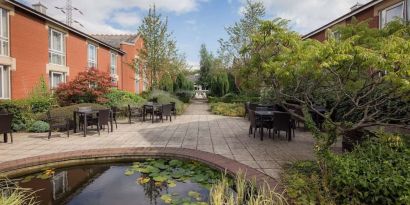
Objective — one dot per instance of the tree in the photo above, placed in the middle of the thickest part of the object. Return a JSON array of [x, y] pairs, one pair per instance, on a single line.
[[159, 50], [205, 65], [89, 86], [362, 78], [231, 50]]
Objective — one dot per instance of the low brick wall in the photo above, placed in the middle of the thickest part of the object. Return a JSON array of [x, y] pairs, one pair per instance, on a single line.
[[20, 167]]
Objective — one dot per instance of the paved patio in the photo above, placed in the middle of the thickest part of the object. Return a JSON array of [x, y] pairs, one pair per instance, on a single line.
[[196, 129]]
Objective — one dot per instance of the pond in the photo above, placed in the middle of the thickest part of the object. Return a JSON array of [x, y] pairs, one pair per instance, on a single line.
[[151, 181]]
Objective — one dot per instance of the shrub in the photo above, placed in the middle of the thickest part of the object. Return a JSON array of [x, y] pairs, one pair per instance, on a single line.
[[164, 97], [376, 172], [228, 109], [166, 83], [39, 126], [88, 87], [67, 111], [184, 95], [229, 98], [120, 98], [41, 98], [20, 111], [182, 83]]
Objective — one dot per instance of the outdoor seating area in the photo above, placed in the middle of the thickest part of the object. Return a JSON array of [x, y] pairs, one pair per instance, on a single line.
[[153, 111], [269, 117]]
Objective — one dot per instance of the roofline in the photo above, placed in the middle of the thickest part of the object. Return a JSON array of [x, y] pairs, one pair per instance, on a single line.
[[342, 18], [50, 19]]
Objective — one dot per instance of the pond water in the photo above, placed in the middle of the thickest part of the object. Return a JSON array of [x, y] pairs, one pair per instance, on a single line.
[[147, 182]]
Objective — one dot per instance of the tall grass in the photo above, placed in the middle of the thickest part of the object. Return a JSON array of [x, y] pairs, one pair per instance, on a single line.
[[12, 194], [246, 193]]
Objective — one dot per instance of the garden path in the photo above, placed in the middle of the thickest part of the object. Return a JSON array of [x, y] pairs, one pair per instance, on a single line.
[[197, 129]]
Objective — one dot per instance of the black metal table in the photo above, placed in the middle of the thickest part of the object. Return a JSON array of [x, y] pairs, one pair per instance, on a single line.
[[152, 107], [86, 114], [264, 116]]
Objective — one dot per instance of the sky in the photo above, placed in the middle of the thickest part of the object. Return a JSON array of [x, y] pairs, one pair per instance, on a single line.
[[195, 22]]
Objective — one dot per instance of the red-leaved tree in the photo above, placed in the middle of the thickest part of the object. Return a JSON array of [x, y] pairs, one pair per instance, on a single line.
[[88, 87]]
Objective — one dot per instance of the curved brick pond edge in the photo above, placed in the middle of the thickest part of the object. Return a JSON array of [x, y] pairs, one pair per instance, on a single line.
[[72, 158]]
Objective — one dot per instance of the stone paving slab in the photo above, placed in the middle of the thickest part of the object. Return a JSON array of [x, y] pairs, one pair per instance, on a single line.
[[196, 129]]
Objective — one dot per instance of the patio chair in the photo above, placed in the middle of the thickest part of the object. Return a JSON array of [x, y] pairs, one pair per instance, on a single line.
[[6, 121], [174, 109], [114, 111], [56, 122], [282, 122], [102, 119], [165, 111], [134, 112], [254, 123]]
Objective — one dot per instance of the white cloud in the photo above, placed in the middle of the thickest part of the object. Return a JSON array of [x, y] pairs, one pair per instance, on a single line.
[[99, 15], [307, 15]]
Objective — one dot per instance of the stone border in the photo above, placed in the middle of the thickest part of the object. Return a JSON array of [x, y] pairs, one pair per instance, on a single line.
[[232, 167]]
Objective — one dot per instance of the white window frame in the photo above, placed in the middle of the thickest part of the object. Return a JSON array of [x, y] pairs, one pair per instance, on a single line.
[[382, 14], [92, 63], [52, 79], [4, 39], [2, 68], [113, 64], [52, 51]]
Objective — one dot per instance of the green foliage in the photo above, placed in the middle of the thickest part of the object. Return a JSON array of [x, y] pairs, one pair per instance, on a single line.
[[376, 172], [41, 99], [20, 110], [164, 98], [182, 83], [121, 99], [12, 193], [166, 83], [39, 127], [67, 111], [184, 95], [219, 83], [228, 109], [205, 65]]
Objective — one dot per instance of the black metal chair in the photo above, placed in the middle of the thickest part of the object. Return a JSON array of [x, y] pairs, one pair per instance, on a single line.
[[114, 111], [165, 111], [57, 122], [6, 121], [134, 112], [174, 109], [282, 122], [102, 119], [255, 123]]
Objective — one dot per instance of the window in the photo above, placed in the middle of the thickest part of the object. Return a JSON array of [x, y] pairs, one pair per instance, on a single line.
[[56, 51], [4, 32], [113, 65], [392, 13], [92, 56], [56, 78], [4, 82]]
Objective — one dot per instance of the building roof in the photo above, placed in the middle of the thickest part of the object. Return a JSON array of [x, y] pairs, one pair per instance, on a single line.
[[343, 18], [61, 24], [117, 40]]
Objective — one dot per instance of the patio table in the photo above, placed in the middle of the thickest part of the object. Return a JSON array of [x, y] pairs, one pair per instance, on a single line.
[[153, 107], [264, 116], [87, 114]]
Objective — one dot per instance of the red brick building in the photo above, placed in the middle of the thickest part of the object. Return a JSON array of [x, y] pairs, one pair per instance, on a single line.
[[32, 44], [378, 12]]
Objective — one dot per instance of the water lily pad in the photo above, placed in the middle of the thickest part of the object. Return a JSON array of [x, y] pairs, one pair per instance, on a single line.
[[166, 198], [176, 163], [143, 180], [160, 178], [195, 195], [172, 183], [28, 179], [129, 172]]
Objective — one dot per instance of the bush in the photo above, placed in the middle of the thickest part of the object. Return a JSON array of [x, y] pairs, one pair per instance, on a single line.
[[20, 110], [39, 127], [89, 86], [228, 109], [184, 95], [67, 111], [376, 172], [120, 98], [229, 98], [41, 98], [164, 97]]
